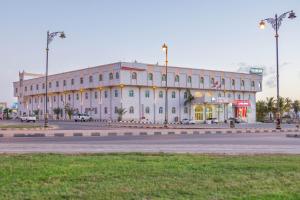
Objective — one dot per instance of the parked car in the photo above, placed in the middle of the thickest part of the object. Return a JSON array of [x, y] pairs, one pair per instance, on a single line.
[[28, 119], [82, 117], [211, 120], [235, 120], [187, 121]]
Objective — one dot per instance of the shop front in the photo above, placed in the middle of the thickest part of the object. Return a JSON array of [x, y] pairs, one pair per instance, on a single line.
[[241, 109]]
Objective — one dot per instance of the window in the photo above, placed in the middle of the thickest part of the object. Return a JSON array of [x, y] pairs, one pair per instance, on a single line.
[[29, 101], [202, 80], [147, 110], [150, 76], [72, 81], [233, 82], [43, 86], [105, 93], [111, 76], [16, 90], [54, 98], [77, 96], [25, 88], [31, 88], [163, 77], [65, 82], [131, 110], [131, 93], [61, 98], [176, 78], [223, 81], [173, 110], [91, 79], [252, 84], [37, 87], [160, 110], [161, 94], [147, 93], [185, 95], [41, 99], [242, 83], [81, 80], [57, 84], [116, 109], [86, 95], [212, 81], [100, 77], [185, 110], [189, 79], [69, 97], [239, 96], [133, 75], [229, 95], [105, 110], [173, 95], [96, 111], [116, 93], [117, 75], [96, 95]]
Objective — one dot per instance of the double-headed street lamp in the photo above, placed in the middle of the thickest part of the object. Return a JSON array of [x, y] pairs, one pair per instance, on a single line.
[[276, 22], [50, 37], [165, 49]]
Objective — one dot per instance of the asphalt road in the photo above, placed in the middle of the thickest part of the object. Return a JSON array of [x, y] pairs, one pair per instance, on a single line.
[[264, 143]]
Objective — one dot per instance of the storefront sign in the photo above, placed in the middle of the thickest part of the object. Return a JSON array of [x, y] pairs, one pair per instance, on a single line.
[[242, 103]]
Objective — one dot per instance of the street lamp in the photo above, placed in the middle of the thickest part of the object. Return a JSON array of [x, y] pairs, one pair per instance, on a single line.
[[276, 22], [165, 49], [50, 37]]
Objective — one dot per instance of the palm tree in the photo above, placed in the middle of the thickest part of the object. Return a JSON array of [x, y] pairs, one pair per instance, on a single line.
[[69, 110], [287, 104], [36, 113], [190, 98], [120, 112], [270, 106], [57, 111], [7, 112], [261, 110], [296, 107]]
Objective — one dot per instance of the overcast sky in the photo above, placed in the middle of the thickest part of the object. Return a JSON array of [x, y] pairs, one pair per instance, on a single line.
[[211, 34]]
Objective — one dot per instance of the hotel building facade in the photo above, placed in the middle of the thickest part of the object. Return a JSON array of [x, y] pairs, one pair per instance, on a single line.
[[140, 89]]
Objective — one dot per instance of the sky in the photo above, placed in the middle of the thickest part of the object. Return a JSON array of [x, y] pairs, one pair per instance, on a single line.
[[209, 34]]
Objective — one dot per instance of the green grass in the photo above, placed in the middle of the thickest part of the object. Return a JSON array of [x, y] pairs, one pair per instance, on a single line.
[[19, 126], [149, 176]]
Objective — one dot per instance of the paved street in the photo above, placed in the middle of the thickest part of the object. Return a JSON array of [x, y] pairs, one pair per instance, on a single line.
[[269, 143]]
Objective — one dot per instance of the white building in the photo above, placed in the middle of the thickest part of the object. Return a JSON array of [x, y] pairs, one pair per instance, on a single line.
[[140, 89]]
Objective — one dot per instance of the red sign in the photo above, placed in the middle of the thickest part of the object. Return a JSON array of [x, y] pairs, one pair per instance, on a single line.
[[242, 103]]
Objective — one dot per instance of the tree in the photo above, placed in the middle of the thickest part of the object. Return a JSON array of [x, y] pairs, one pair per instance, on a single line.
[[270, 106], [36, 112], [287, 105], [7, 112], [190, 98], [296, 107], [261, 110], [120, 112], [69, 110], [57, 111]]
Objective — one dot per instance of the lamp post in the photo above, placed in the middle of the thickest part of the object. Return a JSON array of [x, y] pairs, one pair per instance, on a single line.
[[276, 22], [165, 49], [50, 37]]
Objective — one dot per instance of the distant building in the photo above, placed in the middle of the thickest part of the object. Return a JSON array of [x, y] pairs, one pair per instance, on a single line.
[[140, 89]]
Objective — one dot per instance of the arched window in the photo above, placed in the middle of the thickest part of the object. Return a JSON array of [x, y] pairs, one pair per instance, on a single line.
[[176, 78], [100, 77], [160, 110], [173, 95], [199, 112], [202, 80], [150, 76], [117, 75], [189, 79], [131, 93], [131, 110], [147, 93], [242, 83], [173, 110], [185, 95], [111, 76], [252, 84], [161, 94], [163, 77], [133, 75], [147, 110], [233, 82], [91, 79]]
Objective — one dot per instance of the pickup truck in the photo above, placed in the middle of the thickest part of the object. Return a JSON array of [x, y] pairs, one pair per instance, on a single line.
[[28, 119], [82, 117]]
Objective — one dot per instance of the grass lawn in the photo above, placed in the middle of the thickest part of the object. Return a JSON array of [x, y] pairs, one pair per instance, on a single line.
[[149, 176], [6, 126]]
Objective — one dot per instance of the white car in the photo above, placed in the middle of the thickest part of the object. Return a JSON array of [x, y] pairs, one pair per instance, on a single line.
[[187, 121], [82, 117], [28, 119], [211, 121]]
